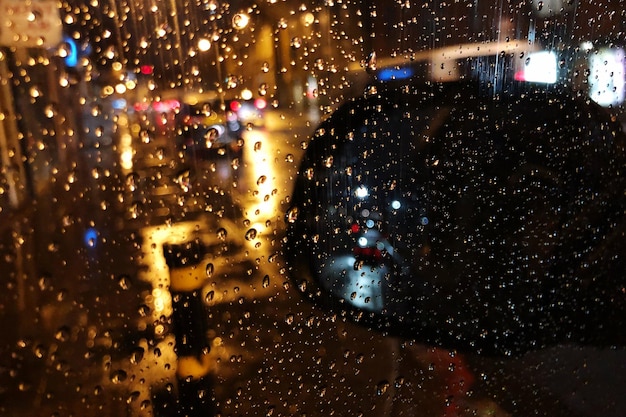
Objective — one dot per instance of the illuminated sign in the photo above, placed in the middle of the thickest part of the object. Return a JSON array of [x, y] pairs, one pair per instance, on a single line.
[[606, 76], [539, 67]]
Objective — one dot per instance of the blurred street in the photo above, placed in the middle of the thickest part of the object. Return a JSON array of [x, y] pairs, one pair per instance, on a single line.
[[86, 306]]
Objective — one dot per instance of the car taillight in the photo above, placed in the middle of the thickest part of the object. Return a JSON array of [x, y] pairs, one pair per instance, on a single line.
[[260, 103], [235, 106], [368, 253]]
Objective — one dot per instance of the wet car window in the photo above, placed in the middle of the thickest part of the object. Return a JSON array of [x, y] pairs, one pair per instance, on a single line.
[[280, 208]]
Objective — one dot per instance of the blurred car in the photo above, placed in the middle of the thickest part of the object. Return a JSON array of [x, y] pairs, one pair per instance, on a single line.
[[249, 112], [208, 132], [488, 222]]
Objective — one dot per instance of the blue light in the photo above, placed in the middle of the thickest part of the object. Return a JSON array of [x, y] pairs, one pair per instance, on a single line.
[[71, 60], [387, 74], [91, 237], [119, 104]]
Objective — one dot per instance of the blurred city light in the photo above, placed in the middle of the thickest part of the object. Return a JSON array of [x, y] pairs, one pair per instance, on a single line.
[[240, 20], [204, 44]]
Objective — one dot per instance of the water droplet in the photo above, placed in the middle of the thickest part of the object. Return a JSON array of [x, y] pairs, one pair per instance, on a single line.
[[49, 111], [145, 136], [63, 334], [370, 63], [382, 387], [124, 282], [358, 264], [132, 180], [209, 270], [240, 20], [71, 177], [135, 210], [184, 180], [118, 376], [222, 233], [39, 351], [289, 318], [296, 42], [209, 296], [132, 397], [35, 92], [371, 90], [144, 310], [251, 234], [261, 180], [136, 355], [266, 281], [45, 283]]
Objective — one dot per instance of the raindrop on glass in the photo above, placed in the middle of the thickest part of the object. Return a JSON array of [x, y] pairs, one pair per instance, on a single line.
[[124, 282], [136, 356], [370, 63], [292, 215], [382, 387], [251, 234], [118, 376], [62, 334]]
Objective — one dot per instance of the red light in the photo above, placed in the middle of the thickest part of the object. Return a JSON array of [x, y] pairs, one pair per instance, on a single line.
[[368, 253], [235, 106], [146, 69], [355, 228], [166, 106], [160, 106], [519, 76], [260, 103], [141, 106]]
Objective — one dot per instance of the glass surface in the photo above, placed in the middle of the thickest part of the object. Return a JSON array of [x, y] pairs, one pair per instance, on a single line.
[[283, 208]]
